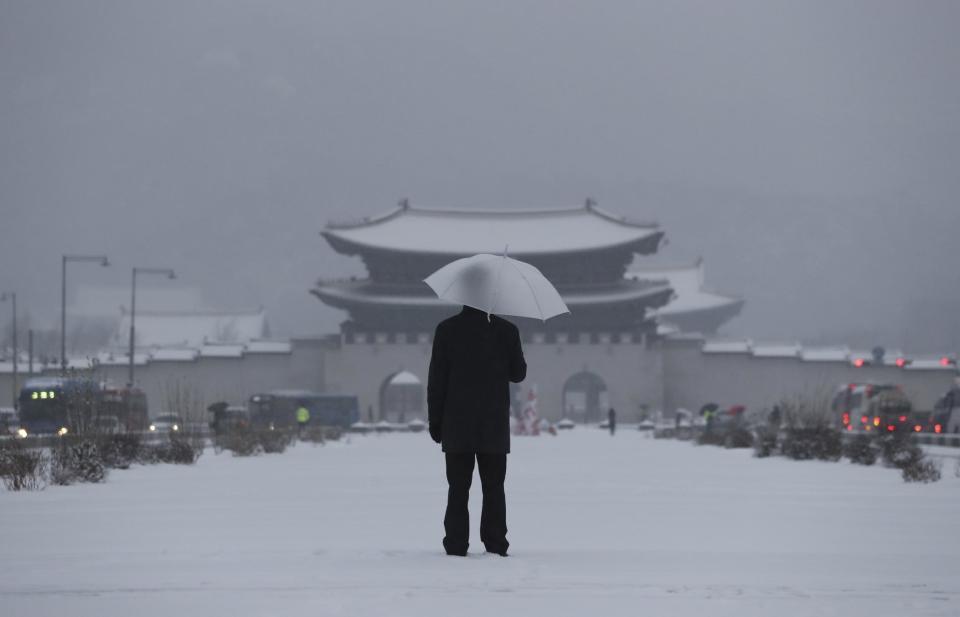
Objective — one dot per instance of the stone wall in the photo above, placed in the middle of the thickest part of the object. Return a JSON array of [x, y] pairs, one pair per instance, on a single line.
[[666, 375]]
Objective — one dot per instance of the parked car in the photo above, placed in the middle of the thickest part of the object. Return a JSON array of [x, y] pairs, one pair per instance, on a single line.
[[166, 423], [865, 407], [9, 421]]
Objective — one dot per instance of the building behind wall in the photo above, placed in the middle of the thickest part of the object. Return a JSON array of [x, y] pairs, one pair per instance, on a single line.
[[604, 353]]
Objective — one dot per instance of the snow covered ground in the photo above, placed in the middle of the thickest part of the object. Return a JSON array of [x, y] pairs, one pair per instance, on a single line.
[[599, 526]]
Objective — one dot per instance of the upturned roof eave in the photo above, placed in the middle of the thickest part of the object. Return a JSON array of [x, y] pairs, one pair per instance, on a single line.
[[645, 244], [339, 295]]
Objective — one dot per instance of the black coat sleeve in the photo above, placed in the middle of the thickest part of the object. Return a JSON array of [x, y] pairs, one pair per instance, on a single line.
[[518, 366], [437, 383]]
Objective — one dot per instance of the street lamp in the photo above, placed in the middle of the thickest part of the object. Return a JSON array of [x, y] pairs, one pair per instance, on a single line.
[[104, 262], [133, 307], [13, 300]]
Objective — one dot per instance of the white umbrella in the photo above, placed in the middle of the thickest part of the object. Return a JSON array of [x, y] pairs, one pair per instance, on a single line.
[[498, 284]]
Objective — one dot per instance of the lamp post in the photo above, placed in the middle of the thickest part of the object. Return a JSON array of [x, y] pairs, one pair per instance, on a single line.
[[104, 262], [133, 308], [13, 301]]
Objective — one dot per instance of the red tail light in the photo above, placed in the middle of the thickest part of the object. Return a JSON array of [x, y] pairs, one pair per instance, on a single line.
[[864, 419], [859, 362], [876, 421], [846, 419], [917, 428], [901, 362], [937, 428], [891, 428], [903, 418]]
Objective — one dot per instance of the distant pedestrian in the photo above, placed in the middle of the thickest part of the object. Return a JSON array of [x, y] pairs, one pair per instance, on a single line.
[[475, 357], [774, 419], [612, 420], [303, 416]]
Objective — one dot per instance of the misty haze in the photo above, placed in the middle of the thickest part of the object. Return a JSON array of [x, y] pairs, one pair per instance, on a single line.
[[807, 151]]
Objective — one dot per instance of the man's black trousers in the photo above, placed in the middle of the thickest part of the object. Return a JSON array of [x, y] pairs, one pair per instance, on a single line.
[[493, 519]]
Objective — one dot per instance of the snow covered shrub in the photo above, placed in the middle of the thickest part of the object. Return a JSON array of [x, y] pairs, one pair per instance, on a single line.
[[738, 438], [241, 441], [900, 451], [120, 451], [178, 451], [711, 438], [802, 444], [921, 470], [76, 461], [148, 454], [274, 442], [810, 431], [22, 469], [321, 434], [861, 450], [765, 443]]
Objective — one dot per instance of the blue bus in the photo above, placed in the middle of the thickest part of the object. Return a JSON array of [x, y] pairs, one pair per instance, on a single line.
[[61, 405], [277, 409]]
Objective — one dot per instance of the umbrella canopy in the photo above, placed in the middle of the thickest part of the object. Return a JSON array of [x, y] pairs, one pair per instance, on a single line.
[[498, 284]]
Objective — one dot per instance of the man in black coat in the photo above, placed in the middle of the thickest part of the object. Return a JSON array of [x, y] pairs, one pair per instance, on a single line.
[[474, 359]]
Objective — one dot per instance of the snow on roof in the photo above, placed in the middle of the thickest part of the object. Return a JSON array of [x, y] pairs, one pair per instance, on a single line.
[[777, 350], [687, 284], [825, 354], [174, 355], [121, 359], [860, 354], [929, 364], [667, 330], [719, 346], [292, 392], [356, 292], [891, 355], [192, 329], [221, 351], [466, 232], [269, 347], [405, 378], [80, 363], [43, 382]]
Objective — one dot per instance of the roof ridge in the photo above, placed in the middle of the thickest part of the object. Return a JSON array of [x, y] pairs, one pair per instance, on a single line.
[[404, 206]]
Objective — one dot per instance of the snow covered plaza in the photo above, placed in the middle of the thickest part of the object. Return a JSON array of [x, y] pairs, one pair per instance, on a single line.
[[598, 525]]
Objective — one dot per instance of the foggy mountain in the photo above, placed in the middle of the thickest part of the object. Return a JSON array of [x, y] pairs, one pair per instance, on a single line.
[[808, 151]]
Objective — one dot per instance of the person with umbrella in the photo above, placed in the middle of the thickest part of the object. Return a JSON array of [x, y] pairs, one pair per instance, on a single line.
[[475, 356]]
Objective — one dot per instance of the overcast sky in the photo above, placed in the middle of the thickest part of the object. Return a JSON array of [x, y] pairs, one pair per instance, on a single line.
[[809, 151]]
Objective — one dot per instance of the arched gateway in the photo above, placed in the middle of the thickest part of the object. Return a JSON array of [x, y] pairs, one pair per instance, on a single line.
[[585, 397], [401, 398]]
